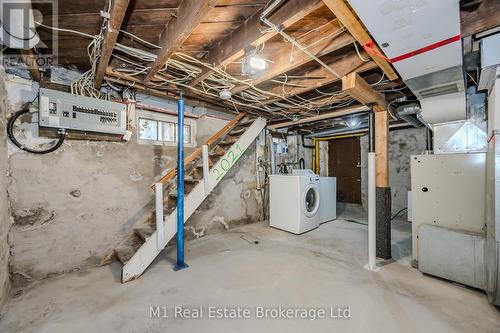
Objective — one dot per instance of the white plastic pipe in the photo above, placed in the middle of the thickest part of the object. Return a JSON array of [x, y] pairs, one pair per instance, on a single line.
[[160, 233], [371, 212]]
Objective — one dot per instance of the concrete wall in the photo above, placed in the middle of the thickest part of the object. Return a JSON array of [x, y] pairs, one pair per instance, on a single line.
[[295, 152], [402, 144], [5, 221], [72, 207]]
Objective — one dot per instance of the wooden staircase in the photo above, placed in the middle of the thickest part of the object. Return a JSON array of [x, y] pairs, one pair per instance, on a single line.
[[138, 250]]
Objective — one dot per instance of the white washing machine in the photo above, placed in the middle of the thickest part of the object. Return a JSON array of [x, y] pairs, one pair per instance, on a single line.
[[294, 201], [327, 199]]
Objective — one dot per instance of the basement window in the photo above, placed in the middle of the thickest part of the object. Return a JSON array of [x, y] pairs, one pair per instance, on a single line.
[[161, 129]]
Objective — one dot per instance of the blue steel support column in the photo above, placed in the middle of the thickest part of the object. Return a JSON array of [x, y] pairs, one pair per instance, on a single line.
[[180, 264]]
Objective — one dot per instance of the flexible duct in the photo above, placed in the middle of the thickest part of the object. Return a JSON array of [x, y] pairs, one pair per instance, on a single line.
[[410, 113]]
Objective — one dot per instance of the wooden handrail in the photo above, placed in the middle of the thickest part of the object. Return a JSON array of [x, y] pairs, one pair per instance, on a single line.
[[197, 153]]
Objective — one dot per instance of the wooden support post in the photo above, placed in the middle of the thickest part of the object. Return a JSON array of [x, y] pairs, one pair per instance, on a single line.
[[383, 191], [382, 148]]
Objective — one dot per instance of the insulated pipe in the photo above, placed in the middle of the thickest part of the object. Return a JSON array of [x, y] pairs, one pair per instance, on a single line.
[[180, 264]]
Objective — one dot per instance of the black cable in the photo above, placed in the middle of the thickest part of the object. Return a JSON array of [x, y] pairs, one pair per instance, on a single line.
[[302, 164], [395, 215], [10, 134]]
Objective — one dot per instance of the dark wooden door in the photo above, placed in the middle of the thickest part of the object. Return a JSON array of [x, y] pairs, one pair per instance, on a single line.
[[344, 162]]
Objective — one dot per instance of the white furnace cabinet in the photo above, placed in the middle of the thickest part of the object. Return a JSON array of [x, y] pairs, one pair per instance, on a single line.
[[448, 191]]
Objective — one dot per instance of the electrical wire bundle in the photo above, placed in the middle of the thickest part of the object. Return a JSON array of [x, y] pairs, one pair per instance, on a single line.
[[181, 69]]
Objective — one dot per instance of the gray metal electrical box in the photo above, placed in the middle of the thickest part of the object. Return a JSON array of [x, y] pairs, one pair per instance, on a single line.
[[63, 110]]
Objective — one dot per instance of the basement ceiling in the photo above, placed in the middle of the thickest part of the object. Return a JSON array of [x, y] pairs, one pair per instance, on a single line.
[[209, 56]]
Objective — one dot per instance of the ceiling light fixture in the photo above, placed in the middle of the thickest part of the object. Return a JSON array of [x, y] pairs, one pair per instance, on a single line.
[[225, 94], [353, 122], [253, 64]]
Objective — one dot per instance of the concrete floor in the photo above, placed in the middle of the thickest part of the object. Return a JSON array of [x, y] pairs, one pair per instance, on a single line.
[[317, 270]]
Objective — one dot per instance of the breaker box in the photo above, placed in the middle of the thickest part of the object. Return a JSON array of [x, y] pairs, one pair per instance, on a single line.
[[63, 110]]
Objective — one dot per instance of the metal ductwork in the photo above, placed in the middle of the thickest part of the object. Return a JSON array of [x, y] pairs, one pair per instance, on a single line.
[[409, 113], [422, 40]]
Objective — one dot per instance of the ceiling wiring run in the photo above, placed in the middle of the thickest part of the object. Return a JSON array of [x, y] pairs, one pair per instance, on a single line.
[[181, 69]]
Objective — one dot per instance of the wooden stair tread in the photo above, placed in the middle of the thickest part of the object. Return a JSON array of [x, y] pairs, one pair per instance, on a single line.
[[237, 131], [191, 180], [228, 142], [145, 232], [218, 153], [126, 250], [245, 123]]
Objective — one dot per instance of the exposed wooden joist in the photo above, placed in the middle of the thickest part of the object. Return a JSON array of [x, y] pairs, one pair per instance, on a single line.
[[320, 76], [190, 14], [350, 21], [249, 34], [282, 64], [356, 87], [485, 17], [322, 116], [115, 22], [29, 60], [136, 83]]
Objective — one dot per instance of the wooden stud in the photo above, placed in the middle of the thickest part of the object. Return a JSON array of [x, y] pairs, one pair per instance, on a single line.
[[350, 21], [355, 86], [190, 14], [115, 22], [249, 34], [30, 61], [382, 148]]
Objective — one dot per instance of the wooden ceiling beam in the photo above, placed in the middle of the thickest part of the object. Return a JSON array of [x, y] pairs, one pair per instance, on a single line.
[[484, 17], [322, 116], [282, 64], [190, 15], [321, 77], [356, 87], [352, 24], [249, 34], [29, 60], [114, 24], [137, 83]]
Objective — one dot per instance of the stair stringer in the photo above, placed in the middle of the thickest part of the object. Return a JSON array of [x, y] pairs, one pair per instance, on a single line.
[[148, 251]]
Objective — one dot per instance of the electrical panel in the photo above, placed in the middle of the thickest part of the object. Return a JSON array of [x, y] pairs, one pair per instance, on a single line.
[[63, 110]]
